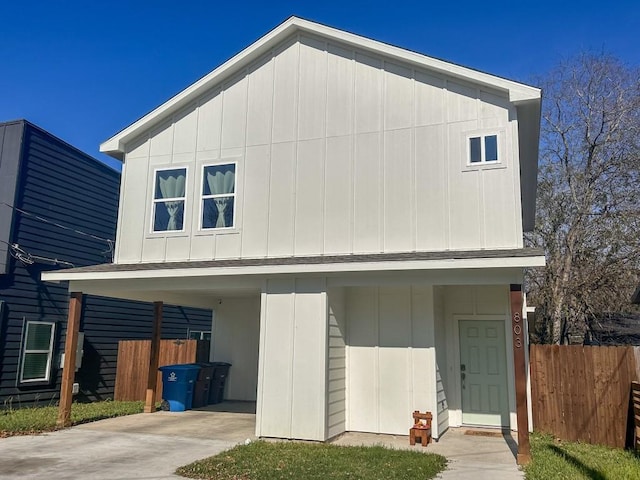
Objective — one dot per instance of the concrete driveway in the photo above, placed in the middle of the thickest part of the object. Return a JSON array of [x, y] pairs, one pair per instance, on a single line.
[[152, 446], [143, 446]]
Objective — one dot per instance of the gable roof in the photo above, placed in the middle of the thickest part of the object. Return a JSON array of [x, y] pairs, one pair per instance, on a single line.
[[517, 92]]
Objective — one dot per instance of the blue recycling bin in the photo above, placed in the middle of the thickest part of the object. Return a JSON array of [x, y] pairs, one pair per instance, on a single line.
[[177, 385]]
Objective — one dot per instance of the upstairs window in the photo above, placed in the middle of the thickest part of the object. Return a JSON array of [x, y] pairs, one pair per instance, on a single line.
[[218, 196], [37, 352], [483, 149], [168, 200]]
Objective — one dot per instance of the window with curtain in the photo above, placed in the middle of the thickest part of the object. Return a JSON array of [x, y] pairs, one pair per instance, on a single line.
[[218, 196], [168, 200], [37, 352]]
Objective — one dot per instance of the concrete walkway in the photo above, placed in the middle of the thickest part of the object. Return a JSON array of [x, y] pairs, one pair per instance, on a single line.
[[485, 455]]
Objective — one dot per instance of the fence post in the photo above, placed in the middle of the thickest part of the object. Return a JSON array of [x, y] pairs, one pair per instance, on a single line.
[[69, 367], [154, 357]]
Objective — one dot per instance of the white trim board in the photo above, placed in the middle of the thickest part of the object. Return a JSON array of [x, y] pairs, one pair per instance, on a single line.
[[448, 264]]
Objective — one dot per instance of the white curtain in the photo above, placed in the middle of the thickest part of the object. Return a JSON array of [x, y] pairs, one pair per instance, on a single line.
[[172, 187], [219, 184]]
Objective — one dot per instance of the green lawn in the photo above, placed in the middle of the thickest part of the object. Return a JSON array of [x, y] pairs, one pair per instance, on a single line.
[[575, 461], [262, 460], [25, 421]]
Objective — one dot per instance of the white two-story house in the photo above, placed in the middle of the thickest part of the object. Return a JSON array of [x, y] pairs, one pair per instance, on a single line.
[[353, 214]]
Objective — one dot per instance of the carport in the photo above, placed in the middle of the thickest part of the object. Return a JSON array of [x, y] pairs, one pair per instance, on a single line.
[[235, 324]]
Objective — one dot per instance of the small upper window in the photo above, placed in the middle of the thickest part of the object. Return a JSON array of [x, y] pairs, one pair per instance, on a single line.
[[168, 200], [218, 196], [37, 352], [483, 149]]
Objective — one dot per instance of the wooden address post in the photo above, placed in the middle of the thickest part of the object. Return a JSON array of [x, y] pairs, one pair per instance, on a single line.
[[520, 369]]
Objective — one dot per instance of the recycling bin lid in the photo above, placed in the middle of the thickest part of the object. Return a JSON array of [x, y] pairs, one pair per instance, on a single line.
[[180, 366]]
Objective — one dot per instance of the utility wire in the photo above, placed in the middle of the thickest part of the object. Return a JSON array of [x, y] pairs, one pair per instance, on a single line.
[[108, 241], [17, 252]]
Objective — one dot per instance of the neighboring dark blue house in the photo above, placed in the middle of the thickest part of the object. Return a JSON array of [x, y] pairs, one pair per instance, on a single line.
[[58, 207]]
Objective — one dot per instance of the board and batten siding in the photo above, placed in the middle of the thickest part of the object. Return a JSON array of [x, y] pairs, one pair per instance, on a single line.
[[236, 336], [338, 151], [61, 184], [337, 359], [391, 358], [293, 360], [442, 377]]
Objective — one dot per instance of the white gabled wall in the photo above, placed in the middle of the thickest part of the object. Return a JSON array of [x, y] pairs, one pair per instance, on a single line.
[[391, 364], [293, 360], [338, 151]]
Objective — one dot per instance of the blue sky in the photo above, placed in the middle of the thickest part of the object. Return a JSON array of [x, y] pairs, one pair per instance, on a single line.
[[85, 70]]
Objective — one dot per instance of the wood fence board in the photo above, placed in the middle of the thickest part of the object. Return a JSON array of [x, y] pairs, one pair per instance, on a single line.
[[582, 393], [133, 364], [565, 389], [579, 402], [585, 403], [636, 413]]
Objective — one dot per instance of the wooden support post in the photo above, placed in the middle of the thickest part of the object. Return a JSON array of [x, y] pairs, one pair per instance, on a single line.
[[69, 367], [520, 369], [154, 357]]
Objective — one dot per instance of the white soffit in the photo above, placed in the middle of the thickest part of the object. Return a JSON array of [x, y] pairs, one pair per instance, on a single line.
[[518, 92], [297, 269]]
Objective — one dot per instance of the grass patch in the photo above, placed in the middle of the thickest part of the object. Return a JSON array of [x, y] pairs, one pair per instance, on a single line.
[[31, 420], [311, 461], [575, 461]]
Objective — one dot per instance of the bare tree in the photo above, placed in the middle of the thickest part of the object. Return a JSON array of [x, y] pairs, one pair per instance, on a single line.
[[588, 208]]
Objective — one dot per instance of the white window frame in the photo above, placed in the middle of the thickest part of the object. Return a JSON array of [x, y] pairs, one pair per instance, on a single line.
[[201, 334], [25, 352], [155, 200], [204, 197], [482, 137]]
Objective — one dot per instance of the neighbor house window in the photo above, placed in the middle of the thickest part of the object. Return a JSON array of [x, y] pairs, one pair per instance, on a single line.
[[168, 200], [199, 335], [483, 149], [218, 196], [37, 352]]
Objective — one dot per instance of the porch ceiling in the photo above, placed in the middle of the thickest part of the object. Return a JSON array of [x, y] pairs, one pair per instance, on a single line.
[[205, 293]]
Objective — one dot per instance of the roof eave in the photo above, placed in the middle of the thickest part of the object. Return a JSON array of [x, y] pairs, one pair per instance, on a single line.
[[115, 146]]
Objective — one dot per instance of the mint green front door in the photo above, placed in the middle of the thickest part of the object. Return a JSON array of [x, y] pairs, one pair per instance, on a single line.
[[483, 373]]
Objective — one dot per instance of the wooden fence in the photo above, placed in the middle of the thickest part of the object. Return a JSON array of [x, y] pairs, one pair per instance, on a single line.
[[133, 364], [584, 393], [635, 392]]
